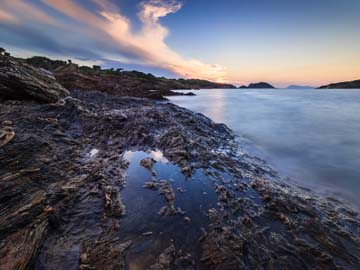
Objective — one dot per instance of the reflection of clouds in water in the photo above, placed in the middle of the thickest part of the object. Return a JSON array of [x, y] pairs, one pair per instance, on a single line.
[[158, 156], [129, 155], [93, 152]]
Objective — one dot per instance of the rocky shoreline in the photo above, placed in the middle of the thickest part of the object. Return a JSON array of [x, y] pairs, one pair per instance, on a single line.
[[74, 197]]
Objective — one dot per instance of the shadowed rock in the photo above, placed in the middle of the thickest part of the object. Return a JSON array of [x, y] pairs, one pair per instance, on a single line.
[[22, 81]]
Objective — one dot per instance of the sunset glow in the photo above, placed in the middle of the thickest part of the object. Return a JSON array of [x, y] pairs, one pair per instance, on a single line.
[[149, 34]]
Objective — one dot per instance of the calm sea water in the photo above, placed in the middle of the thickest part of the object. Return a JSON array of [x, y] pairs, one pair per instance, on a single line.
[[311, 136]]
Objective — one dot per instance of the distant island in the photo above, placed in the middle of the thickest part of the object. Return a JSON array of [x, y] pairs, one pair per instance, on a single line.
[[263, 85], [299, 87], [342, 85]]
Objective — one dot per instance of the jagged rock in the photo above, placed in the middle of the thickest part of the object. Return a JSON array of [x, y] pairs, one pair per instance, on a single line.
[[22, 81], [167, 191], [107, 253], [172, 259], [223, 193], [165, 260], [6, 135], [113, 204], [119, 82], [148, 163], [151, 185], [22, 246]]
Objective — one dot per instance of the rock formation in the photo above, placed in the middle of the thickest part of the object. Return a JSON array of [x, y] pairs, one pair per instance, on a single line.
[[118, 82], [21, 81], [257, 85], [260, 85]]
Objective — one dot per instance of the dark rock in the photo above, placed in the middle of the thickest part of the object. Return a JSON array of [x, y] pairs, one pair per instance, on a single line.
[[260, 85], [165, 260], [148, 163], [119, 82], [105, 253], [153, 185], [342, 85], [21, 81], [113, 203]]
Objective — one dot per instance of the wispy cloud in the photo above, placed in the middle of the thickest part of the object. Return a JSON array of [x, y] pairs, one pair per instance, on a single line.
[[106, 23], [23, 12], [6, 17]]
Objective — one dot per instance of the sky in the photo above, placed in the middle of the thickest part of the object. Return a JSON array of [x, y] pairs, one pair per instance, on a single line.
[[283, 42]]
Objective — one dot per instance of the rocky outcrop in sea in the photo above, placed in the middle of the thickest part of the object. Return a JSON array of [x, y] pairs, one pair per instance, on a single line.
[[258, 85]]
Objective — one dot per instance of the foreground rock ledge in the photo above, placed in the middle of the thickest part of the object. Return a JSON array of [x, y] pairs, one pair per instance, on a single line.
[[62, 168]]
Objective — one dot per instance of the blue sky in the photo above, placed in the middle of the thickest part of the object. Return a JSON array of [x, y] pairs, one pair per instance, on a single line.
[[242, 41]]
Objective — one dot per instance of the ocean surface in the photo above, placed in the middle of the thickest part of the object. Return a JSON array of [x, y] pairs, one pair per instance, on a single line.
[[311, 136]]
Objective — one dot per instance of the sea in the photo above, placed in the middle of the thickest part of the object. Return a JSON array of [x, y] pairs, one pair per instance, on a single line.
[[310, 136]]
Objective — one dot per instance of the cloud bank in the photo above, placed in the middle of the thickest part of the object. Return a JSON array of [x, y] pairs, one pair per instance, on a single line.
[[104, 31]]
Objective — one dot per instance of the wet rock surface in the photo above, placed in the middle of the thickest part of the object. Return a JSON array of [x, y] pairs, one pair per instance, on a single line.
[[72, 197], [148, 163]]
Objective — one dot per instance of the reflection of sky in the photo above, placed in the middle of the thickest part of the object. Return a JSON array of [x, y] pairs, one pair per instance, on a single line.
[[158, 156]]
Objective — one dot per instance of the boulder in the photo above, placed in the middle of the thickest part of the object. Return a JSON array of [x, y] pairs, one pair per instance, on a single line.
[[22, 81]]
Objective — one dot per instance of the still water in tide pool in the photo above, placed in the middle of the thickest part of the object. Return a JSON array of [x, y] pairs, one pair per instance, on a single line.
[[311, 136], [192, 196]]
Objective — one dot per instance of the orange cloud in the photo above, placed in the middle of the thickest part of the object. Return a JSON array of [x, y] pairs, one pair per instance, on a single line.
[[107, 23], [148, 43], [71, 9], [151, 41], [25, 10], [7, 17]]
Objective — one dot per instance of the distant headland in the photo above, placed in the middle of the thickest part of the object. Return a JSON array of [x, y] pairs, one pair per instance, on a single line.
[[342, 85], [299, 87]]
